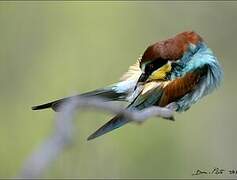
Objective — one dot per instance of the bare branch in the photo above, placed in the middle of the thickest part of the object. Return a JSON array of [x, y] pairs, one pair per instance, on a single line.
[[136, 116], [51, 148], [62, 136]]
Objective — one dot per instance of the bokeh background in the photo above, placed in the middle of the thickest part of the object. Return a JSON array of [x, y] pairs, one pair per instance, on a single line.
[[53, 49]]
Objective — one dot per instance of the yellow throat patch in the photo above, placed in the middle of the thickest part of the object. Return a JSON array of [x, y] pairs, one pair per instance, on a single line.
[[160, 73]]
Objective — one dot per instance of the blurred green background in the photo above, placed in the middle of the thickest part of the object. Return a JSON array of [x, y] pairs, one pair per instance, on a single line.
[[53, 49]]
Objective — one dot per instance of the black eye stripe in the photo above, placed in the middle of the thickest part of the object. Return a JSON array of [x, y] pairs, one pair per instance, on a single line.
[[154, 65]]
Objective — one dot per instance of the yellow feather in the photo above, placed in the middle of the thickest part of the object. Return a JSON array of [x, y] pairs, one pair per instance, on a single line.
[[160, 73]]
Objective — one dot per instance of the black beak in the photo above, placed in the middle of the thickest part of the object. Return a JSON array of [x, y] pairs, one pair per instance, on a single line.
[[142, 78]]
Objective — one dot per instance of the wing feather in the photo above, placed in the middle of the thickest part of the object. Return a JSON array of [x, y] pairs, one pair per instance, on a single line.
[[179, 87], [134, 71]]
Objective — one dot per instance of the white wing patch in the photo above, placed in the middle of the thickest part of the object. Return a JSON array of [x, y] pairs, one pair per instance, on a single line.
[[133, 72], [129, 80]]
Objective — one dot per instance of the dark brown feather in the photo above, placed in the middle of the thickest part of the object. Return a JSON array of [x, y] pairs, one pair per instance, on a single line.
[[179, 87], [171, 49]]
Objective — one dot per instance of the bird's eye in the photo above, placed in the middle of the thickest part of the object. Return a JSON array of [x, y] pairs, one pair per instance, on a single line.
[[151, 66]]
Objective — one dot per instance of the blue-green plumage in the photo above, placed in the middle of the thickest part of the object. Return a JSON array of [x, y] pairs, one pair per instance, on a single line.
[[201, 57]]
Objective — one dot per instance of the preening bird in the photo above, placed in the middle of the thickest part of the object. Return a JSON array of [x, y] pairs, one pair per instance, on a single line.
[[173, 73]]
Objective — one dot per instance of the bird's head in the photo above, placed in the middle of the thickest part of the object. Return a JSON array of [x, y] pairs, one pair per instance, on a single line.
[[156, 61]]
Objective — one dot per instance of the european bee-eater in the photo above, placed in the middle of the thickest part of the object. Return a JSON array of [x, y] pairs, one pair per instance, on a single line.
[[173, 73]]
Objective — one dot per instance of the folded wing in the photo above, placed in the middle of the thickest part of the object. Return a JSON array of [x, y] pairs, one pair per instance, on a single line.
[[174, 90]]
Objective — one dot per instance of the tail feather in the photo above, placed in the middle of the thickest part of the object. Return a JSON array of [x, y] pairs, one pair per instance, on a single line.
[[42, 106], [107, 94], [114, 123], [54, 104], [139, 103]]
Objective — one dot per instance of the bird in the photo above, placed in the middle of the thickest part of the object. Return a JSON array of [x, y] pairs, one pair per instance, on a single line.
[[174, 73]]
